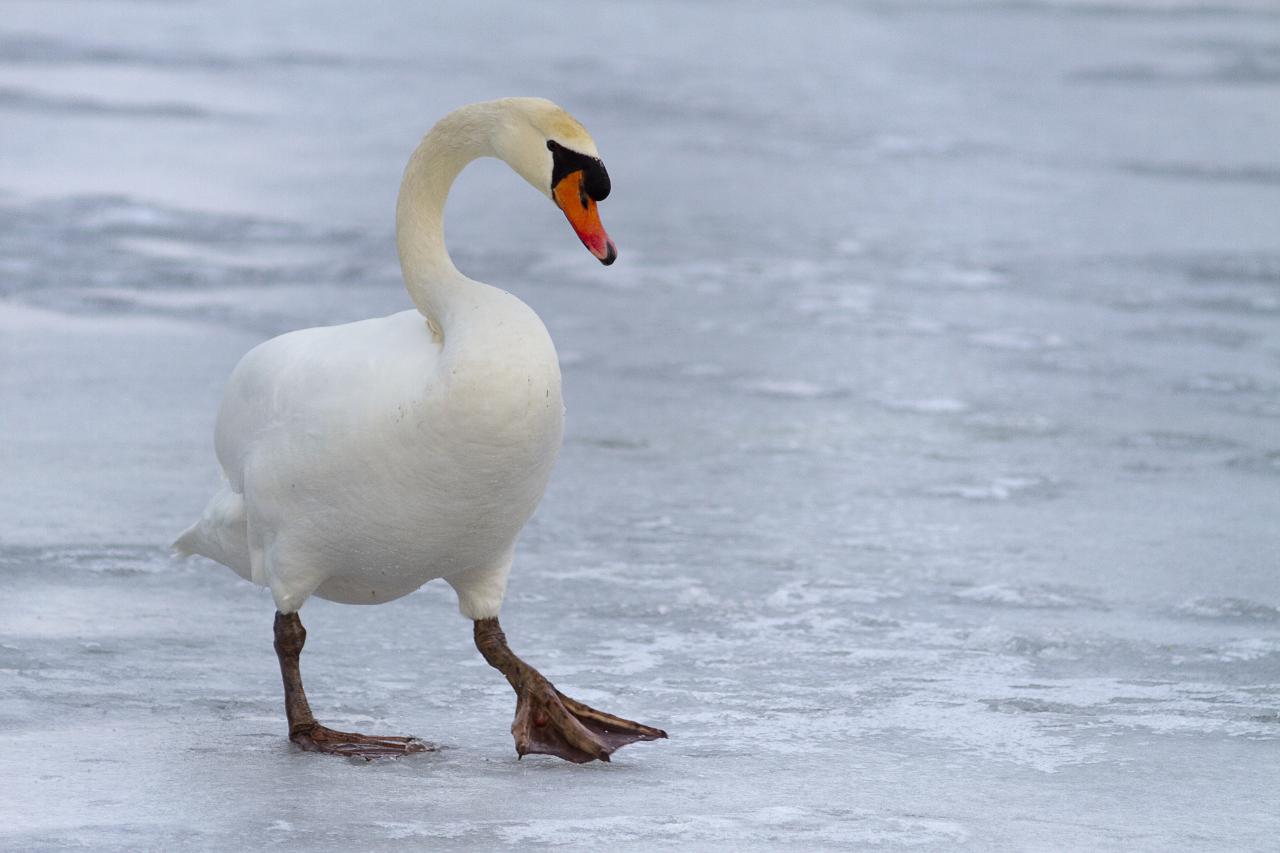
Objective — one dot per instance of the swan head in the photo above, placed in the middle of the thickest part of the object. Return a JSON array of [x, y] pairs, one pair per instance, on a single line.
[[552, 151]]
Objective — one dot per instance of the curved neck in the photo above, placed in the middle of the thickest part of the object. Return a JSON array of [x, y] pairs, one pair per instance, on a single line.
[[431, 278]]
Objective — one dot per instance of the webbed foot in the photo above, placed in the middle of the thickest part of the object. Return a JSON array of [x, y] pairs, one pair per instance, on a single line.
[[318, 738], [547, 721], [308, 734]]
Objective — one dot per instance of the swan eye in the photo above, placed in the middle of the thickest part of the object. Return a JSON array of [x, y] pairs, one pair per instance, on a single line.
[[566, 161]]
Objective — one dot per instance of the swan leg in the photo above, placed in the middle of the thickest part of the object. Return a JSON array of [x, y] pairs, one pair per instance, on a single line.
[[549, 722], [308, 734]]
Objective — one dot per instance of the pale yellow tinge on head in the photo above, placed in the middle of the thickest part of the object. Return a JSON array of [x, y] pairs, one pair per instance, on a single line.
[[566, 130], [553, 122]]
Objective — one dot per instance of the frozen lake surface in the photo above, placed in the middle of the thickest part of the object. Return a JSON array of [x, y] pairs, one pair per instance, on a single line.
[[922, 474]]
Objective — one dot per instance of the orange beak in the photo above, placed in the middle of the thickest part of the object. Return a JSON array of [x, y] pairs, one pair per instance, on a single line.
[[580, 210]]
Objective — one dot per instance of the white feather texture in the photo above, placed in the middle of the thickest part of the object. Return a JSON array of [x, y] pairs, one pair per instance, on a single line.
[[366, 459]]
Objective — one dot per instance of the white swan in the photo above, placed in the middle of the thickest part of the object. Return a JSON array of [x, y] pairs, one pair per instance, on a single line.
[[366, 459]]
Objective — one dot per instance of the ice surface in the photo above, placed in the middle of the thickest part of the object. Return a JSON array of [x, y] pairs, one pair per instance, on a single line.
[[923, 465]]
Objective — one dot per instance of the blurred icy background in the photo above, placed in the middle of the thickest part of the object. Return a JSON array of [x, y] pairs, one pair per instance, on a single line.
[[923, 466]]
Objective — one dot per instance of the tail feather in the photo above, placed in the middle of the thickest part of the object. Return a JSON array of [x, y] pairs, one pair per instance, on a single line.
[[186, 544], [221, 534]]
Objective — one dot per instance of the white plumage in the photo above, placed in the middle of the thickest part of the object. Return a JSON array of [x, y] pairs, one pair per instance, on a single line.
[[366, 459]]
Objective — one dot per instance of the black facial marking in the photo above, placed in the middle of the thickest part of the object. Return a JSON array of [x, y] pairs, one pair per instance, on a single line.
[[566, 161]]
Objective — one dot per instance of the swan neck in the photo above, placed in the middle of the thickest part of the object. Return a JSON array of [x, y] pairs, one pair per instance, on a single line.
[[430, 276]]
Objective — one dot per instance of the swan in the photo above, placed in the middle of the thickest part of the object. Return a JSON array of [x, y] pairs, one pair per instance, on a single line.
[[365, 459]]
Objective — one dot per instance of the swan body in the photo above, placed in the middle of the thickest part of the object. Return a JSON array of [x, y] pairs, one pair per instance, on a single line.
[[366, 459]]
